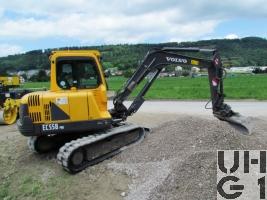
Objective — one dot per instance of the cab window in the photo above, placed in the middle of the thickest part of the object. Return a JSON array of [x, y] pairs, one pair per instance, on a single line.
[[79, 73]]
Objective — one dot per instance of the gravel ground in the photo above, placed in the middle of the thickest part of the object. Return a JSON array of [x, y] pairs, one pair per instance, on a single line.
[[178, 159]]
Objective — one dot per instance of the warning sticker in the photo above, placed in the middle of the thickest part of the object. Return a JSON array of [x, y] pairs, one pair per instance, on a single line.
[[62, 100], [194, 62]]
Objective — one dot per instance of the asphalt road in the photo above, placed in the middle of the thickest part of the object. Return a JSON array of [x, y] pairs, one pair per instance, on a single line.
[[247, 108]]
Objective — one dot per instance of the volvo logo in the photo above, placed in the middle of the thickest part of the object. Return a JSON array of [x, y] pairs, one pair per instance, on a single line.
[[176, 60]]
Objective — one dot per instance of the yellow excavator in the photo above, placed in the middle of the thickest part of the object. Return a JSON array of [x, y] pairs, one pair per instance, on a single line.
[[73, 115], [10, 99]]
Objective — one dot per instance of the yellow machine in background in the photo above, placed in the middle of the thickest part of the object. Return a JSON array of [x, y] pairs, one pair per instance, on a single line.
[[9, 82], [10, 99], [9, 111]]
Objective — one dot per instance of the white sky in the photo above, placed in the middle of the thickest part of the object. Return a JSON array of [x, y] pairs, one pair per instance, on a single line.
[[31, 24]]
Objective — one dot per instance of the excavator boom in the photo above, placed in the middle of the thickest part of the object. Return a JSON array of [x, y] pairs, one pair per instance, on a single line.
[[158, 59]]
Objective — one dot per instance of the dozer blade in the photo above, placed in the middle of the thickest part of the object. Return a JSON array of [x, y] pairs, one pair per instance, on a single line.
[[240, 122]]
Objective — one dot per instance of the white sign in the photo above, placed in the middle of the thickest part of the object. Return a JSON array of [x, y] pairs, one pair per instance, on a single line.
[[49, 127], [241, 174], [62, 100]]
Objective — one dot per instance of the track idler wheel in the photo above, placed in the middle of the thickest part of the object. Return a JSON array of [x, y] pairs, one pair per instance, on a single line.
[[41, 144], [77, 158]]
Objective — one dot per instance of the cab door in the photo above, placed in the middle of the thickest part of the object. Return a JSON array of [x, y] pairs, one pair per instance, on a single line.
[[78, 105]]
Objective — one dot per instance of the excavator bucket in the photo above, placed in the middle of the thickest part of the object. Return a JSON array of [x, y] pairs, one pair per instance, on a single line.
[[220, 109], [240, 122]]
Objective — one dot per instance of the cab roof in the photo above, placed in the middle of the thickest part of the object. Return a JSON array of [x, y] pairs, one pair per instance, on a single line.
[[96, 52]]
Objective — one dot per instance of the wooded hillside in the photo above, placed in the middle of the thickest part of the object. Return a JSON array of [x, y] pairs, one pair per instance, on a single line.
[[250, 51]]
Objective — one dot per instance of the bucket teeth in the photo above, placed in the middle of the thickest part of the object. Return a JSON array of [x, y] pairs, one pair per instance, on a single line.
[[240, 121]]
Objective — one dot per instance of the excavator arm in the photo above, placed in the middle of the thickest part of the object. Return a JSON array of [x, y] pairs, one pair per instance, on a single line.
[[153, 64]]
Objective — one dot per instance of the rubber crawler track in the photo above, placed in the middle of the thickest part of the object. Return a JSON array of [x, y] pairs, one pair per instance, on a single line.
[[66, 151]]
